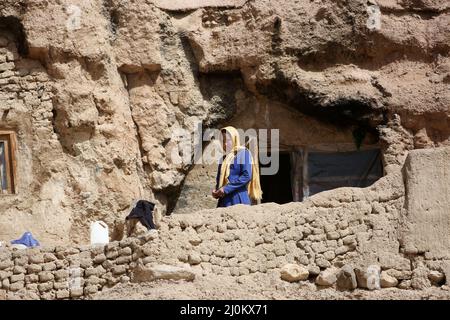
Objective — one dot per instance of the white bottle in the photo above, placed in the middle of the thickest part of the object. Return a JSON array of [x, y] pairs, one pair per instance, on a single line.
[[99, 233]]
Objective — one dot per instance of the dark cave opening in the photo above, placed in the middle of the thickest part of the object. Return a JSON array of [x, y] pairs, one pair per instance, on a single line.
[[356, 163], [341, 113], [315, 170], [15, 26], [304, 173], [277, 188]]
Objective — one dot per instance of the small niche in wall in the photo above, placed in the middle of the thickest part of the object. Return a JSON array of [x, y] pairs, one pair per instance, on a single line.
[[7, 162]]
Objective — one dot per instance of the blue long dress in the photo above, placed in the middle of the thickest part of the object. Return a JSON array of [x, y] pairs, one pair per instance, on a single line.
[[240, 175]]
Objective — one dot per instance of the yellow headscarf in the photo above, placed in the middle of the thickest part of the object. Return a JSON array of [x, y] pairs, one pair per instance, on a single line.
[[254, 186]]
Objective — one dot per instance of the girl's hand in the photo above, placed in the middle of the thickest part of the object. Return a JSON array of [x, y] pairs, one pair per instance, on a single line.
[[220, 193]]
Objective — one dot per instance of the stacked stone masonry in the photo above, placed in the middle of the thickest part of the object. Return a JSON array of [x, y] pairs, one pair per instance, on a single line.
[[348, 228]]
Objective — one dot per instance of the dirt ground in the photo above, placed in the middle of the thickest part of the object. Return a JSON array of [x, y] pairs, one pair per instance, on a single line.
[[256, 287]]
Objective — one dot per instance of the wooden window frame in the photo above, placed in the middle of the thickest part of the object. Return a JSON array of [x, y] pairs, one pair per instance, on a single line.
[[9, 139]]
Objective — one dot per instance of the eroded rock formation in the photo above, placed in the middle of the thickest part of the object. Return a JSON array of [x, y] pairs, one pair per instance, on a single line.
[[95, 89]]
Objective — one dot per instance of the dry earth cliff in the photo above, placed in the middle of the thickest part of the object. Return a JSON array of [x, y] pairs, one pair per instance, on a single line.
[[93, 90]]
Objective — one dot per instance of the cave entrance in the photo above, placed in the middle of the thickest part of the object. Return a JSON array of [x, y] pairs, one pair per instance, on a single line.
[[304, 172], [314, 156], [277, 188]]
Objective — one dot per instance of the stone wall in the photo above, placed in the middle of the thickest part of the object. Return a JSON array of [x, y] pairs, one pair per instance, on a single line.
[[67, 272], [347, 228], [26, 108], [56, 119]]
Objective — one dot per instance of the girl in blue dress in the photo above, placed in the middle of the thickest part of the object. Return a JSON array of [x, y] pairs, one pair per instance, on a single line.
[[237, 180]]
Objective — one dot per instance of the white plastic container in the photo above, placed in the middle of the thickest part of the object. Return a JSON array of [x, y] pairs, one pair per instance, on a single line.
[[99, 233]]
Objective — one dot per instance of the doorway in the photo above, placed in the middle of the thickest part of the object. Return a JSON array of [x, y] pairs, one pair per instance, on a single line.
[[277, 188], [303, 173]]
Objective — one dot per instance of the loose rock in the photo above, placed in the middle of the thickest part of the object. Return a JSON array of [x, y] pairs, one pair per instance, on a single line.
[[346, 278], [294, 272], [387, 281], [327, 277]]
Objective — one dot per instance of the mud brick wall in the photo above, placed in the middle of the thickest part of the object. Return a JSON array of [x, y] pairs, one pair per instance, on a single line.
[[316, 234], [335, 229], [67, 272]]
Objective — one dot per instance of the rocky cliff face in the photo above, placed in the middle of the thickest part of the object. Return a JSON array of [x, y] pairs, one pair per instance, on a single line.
[[95, 89]]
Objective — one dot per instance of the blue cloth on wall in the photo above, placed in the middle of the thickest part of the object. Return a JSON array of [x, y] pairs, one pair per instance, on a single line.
[[240, 175], [27, 239]]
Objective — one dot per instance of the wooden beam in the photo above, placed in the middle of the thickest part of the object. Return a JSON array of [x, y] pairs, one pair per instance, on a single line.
[[9, 140]]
